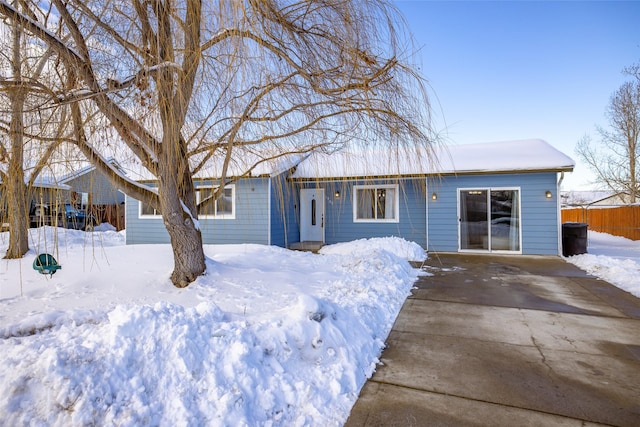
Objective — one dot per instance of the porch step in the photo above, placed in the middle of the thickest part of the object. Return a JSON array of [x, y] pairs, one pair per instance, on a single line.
[[309, 246]]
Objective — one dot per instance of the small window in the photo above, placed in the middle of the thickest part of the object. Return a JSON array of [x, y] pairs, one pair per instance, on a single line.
[[375, 203], [208, 207], [221, 207], [149, 211]]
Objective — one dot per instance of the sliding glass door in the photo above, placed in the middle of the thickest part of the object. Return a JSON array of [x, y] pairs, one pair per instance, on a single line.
[[489, 219]]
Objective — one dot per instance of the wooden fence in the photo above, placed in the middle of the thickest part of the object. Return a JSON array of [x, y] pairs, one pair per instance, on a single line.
[[113, 214], [616, 220]]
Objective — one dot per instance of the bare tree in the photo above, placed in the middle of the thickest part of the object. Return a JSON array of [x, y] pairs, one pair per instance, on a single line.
[[32, 129], [614, 160], [188, 83]]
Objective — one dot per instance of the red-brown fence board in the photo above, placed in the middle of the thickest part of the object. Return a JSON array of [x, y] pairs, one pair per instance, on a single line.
[[616, 220]]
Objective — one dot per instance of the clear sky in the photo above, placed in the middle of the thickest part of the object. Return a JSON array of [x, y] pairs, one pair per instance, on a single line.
[[518, 70]]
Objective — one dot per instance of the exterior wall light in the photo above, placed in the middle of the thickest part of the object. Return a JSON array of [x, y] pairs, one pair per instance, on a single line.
[[336, 194], [434, 196], [548, 194]]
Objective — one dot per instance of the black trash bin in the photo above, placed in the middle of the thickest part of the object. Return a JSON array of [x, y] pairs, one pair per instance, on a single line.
[[574, 238]]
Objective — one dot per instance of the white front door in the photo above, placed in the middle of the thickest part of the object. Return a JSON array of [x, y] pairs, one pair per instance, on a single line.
[[312, 215]]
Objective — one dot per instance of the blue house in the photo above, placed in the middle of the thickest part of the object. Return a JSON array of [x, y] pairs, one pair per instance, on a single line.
[[251, 210], [494, 197]]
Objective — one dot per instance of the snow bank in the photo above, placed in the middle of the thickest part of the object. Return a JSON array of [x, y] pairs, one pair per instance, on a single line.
[[612, 258], [266, 337], [407, 250]]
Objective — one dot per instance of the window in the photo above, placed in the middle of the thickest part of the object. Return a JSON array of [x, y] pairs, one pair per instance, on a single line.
[[221, 207], [148, 211], [375, 203], [208, 207]]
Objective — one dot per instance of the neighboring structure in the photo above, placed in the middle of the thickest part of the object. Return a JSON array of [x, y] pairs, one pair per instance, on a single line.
[[44, 192], [594, 198], [45, 195], [92, 191], [92, 187], [494, 197]]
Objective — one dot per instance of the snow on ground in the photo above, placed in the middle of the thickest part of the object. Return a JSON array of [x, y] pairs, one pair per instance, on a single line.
[[407, 250], [266, 337], [612, 258]]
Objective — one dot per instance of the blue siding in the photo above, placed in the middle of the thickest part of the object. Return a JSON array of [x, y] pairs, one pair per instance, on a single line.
[[147, 230], [339, 224], [539, 215], [250, 224], [267, 212], [284, 227], [251, 216]]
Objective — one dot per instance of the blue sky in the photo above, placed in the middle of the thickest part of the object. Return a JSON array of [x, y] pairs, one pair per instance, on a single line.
[[517, 70]]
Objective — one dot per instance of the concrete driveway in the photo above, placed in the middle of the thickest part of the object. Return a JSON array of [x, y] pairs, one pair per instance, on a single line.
[[506, 340]]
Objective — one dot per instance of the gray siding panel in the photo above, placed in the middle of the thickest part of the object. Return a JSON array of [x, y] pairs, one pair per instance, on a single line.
[[101, 190]]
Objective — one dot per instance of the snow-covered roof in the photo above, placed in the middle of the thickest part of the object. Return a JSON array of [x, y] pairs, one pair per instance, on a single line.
[[242, 163], [248, 163], [49, 182], [590, 198], [495, 157], [89, 168]]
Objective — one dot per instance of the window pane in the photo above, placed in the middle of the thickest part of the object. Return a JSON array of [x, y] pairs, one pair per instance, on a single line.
[[206, 203], [505, 220], [390, 204], [380, 203], [225, 202], [365, 203], [146, 209], [474, 231]]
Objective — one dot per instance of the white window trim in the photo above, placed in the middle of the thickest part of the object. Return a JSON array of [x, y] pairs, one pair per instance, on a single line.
[[396, 203], [147, 216], [232, 215]]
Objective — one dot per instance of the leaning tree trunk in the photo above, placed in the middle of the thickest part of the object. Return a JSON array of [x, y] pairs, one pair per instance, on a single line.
[[14, 186], [18, 213], [186, 239], [178, 207]]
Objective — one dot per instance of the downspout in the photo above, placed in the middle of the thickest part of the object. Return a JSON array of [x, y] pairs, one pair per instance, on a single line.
[[426, 213], [559, 212], [269, 211]]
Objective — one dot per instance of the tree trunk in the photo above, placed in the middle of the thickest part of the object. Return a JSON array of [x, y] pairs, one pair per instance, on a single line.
[[177, 204], [15, 186], [186, 238], [18, 218]]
